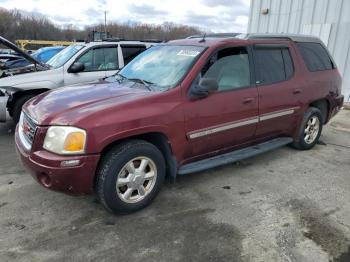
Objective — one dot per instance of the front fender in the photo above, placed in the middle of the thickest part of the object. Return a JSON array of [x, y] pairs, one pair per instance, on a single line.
[[8, 90], [104, 142]]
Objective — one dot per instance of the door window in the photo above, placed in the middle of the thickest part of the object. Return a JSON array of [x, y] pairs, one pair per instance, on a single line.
[[100, 59], [131, 51], [315, 56], [229, 67], [272, 65]]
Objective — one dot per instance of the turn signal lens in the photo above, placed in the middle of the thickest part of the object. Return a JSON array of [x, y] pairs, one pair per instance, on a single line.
[[75, 141]]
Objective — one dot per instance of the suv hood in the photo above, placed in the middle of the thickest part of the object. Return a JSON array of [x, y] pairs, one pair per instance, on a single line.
[[31, 80], [67, 105]]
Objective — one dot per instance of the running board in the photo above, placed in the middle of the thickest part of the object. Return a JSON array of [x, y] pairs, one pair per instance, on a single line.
[[234, 156]]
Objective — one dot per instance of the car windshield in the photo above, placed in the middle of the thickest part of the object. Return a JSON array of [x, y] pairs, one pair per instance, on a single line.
[[162, 66], [62, 57]]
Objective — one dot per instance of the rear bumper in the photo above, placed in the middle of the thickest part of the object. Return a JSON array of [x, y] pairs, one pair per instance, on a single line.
[[46, 169], [337, 105]]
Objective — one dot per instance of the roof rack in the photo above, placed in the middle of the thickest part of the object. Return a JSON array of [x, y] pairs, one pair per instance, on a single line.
[[292, 37], [116, 39], [218, 35]]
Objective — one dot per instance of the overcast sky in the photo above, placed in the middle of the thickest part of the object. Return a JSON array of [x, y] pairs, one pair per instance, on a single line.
[[209, 15]]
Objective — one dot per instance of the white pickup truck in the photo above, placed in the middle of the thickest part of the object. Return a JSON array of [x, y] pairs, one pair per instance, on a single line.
[[78, 63]]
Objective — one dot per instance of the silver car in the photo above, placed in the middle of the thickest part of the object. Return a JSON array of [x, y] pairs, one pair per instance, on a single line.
[[78, 63]]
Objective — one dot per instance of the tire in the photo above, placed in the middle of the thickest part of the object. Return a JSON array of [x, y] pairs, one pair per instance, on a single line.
[[115, 166], [302, 141], [17, 108]]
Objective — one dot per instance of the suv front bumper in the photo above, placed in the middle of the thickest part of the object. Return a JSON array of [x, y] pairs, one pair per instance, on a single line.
[[46, 169]]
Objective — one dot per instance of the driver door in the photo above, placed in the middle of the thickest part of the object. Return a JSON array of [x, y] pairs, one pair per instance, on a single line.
[[229, 116]]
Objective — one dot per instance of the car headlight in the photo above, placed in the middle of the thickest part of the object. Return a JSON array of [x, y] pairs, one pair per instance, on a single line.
[[65, 140]]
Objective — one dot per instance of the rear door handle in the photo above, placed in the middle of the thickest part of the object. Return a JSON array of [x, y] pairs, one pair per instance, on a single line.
[[248, 100], [297, 91]]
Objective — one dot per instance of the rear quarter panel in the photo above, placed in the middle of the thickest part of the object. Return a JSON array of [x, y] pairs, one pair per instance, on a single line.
[[320, 84]]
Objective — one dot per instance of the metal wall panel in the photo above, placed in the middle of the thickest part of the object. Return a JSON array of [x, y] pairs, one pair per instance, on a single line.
[[327, 19]]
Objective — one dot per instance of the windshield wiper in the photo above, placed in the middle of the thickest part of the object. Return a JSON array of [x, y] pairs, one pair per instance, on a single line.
[[141, 81], [146, 83]]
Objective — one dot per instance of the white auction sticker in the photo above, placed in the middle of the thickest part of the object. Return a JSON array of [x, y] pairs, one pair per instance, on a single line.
[[188, 53]]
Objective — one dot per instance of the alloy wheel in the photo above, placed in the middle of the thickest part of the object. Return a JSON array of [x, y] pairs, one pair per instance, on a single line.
[[136, 179]]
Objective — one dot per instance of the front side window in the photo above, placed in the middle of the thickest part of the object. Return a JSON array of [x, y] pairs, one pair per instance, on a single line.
[[229, 67], [131, 51], [163, 65], [272, 65], [100, 59]]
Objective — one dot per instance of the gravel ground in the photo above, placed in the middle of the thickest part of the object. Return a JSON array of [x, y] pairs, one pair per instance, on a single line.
[[285, 205]]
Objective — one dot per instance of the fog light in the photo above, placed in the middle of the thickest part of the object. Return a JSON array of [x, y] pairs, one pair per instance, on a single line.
[[70, 163], [45, 180]]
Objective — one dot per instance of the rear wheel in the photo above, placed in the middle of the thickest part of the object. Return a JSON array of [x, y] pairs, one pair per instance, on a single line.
[[310, 129], [17, 108], [130, 176]]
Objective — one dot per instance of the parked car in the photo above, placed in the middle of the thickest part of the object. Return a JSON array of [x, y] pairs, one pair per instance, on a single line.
[[177, 108], [43, 55], [78, 63], [5, 58]]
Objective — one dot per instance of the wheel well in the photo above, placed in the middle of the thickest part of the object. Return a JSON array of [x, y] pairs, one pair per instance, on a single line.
[[160, 141], [15, 96], [323, 106]]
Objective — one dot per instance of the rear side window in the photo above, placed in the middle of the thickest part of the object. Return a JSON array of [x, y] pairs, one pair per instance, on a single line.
[[272, 65], [315, 56], [131, 51]]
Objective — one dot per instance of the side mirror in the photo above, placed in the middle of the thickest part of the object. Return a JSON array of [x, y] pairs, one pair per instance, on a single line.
[[76, 68], [203, 88]]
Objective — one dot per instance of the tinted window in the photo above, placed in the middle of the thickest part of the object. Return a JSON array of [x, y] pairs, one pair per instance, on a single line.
[[230, 68], [272, 65], [315, 56], [100, 59], [131, 51]]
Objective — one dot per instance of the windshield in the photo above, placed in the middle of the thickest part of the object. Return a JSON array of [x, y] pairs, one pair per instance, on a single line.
[[63, 56], [163, 65]]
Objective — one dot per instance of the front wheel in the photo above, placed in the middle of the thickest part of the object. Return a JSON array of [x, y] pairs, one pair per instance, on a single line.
[[130, 176], [310, 129]]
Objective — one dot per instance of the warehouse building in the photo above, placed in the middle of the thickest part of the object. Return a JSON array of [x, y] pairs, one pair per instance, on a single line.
[[327, 19]]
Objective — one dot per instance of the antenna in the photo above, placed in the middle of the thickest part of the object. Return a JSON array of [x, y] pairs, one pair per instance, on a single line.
[[203, 39]]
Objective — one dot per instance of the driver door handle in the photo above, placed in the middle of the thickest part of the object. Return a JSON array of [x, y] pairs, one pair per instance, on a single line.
[[297, 91], [248, 100]]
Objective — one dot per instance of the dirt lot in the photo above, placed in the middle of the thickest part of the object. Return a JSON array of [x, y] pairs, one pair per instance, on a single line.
[[285, 205]]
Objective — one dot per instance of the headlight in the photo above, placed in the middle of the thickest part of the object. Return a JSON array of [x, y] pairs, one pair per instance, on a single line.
[[65, 140]]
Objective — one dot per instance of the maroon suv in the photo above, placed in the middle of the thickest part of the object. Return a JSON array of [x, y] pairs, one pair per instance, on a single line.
[[177, 108]]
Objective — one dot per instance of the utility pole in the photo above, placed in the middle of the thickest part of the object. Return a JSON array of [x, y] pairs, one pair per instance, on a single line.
[[106, 24]]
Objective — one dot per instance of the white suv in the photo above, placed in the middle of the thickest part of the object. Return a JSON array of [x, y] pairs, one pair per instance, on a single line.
[[78, 63]]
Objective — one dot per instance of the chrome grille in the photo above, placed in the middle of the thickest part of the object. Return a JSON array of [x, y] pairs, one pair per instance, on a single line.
[[27, 130]]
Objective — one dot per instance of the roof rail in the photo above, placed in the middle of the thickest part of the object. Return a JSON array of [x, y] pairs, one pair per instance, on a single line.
[[218, 35], [292, 37], [116, 39]]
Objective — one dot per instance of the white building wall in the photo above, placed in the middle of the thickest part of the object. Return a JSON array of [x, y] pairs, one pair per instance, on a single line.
[[327, 19]]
